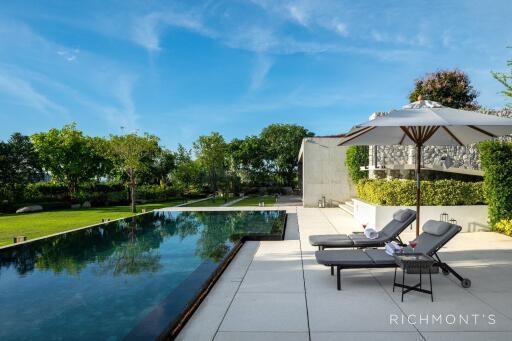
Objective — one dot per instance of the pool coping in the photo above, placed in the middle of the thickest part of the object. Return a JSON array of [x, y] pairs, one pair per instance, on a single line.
[[180, 322]]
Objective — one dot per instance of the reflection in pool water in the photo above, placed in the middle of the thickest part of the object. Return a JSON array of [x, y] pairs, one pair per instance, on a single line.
[[102, 282]]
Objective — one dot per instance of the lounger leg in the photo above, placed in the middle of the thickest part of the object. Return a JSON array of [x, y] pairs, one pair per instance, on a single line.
[[332, 270], [431, 290], [394, 281], [338, 279]]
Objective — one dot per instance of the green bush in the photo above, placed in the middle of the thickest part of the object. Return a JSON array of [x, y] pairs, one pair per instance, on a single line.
[[496, 160], [433, 193], [356, 157], [504, 226], [155, 192]]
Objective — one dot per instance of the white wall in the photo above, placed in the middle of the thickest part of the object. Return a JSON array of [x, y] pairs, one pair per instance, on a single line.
[[471, 218], [324, 172]]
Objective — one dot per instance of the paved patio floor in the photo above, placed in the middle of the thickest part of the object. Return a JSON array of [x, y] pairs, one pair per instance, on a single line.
[[276, 291]]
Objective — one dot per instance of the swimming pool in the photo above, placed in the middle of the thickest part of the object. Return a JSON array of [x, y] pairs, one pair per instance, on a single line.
[[134, 278]]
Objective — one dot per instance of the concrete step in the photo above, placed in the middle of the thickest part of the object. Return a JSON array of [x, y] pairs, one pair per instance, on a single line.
[[349, 203], [347, 208]]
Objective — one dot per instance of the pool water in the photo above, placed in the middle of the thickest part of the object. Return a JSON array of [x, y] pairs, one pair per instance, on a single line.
[[127, 279]]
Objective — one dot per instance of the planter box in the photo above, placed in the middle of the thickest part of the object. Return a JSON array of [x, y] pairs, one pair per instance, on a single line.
[[472, 218]]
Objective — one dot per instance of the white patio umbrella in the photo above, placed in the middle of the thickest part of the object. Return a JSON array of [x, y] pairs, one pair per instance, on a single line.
[[427, 123]]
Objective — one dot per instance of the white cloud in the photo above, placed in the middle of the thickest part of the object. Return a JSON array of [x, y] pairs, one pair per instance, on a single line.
[[147, 30], [69, 55], [24, 94], [260, 72]]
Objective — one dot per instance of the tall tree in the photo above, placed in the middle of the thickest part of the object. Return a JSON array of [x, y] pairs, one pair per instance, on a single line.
[[19, 166], [505, 78], [451, 88], [246, 158], [130, 154], [70, 157], [186, 175], [282, 143], [210, 151]]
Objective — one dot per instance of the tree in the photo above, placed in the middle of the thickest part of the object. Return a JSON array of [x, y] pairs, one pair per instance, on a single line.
[[451, 88], [505, 79], [160, 168], [130, 154], [186, 175], [282, 143], [246, 159], [19, 166], [211, 151], [70, 157]]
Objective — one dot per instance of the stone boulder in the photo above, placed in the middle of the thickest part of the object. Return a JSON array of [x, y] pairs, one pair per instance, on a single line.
[[28, 209], [86, 204]]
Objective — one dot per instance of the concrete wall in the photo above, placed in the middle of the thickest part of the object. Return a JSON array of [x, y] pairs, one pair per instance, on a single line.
[[472, 218], [324, 172]]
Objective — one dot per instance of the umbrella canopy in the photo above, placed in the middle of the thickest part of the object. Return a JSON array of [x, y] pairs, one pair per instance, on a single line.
[[427, 123]]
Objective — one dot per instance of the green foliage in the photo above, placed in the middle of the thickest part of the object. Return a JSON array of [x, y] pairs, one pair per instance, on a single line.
[[19, 166], [505, 79], [186, 177], [504, 226], [451, 88], [211, 151], [433, 193], [496, 160], [356, 157], [246, 159], [132, 155], [281, 143], [70, 157]]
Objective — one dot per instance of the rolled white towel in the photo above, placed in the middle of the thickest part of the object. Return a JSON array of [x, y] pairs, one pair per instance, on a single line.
[[371, 233], [392, 248]]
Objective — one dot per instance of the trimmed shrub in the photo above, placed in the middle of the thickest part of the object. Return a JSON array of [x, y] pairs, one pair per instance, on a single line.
[[356, 157], [433, 193], [155, 192], [504, 226], [496, 160]]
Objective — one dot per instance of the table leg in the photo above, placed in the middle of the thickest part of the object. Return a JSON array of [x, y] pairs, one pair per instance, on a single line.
[[431, 290], [403, 283], [332, 270], [420, 277], [394, 281]]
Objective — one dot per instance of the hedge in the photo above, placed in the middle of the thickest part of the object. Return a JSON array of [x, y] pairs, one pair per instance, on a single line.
[[504, 226], [433, 193], [55, 195], [356, 157], [496, 160]]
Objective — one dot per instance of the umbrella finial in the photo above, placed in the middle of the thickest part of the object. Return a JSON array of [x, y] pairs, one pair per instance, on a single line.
[[420, 98]]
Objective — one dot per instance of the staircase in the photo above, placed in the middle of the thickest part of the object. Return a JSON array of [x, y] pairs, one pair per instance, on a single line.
[[348, 207]]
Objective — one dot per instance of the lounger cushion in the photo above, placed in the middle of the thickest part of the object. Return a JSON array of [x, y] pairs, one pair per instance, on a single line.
[[330, 240], [380, 257], [401, 215], [362, 240], [437, 228], [343, 257]]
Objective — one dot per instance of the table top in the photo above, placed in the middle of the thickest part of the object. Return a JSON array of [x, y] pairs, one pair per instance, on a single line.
[[413, 259]]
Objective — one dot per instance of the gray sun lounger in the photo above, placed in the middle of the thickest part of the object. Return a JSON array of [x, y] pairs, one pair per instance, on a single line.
[[401, 219], [434, 236]]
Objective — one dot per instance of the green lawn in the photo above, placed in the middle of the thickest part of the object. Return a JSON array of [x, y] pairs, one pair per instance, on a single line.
[[213, 202], [254, 201], [40, 224]]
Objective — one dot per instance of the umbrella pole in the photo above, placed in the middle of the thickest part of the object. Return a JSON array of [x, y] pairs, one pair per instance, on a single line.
[[418, 189]]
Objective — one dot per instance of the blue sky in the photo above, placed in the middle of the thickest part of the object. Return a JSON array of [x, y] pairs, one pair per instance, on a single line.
[[179, 69]]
